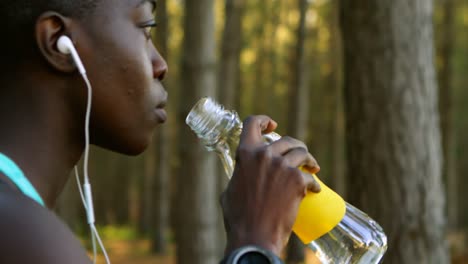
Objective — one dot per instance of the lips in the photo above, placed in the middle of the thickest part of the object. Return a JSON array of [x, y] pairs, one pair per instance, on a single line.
[[161, 114]]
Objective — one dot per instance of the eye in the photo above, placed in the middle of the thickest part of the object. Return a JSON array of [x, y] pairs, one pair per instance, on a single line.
[[148, 28]]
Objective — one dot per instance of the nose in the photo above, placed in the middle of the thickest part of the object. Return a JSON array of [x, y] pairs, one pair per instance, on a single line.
[[159, 66]]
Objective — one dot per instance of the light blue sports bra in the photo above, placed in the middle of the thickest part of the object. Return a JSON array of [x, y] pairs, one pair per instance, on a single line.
[[14, 173]]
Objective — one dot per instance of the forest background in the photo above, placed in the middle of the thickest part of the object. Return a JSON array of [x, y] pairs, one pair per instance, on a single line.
[[376, 88]]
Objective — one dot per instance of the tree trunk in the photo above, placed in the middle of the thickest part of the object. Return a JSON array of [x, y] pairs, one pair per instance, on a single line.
[[229, 85], [229, 76], [261, 91], [393, 134], [135, 170], [69, 205], [108, 171], [149, 180], [446, 109], [336, 123], [299, 92], [197, 201], [161, 182], [274, 103], [298, 109]]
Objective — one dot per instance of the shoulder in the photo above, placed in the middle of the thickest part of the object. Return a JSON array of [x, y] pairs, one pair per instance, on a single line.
[[33, 234]]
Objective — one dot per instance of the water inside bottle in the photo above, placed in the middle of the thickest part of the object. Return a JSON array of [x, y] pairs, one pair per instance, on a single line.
[[357, 239]]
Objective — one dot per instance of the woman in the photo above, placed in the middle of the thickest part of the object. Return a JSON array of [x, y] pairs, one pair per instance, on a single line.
[[43, 108]]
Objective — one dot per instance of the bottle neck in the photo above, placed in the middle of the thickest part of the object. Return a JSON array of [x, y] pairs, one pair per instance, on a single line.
[[218, 129], [213, 124]]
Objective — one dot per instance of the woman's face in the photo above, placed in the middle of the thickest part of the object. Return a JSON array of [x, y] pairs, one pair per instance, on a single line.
[[125, 71]]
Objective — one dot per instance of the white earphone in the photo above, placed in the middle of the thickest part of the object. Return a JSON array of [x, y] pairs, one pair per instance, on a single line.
[[65, 46]]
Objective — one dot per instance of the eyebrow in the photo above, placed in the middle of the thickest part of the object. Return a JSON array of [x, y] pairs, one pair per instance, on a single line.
[[152, 2]]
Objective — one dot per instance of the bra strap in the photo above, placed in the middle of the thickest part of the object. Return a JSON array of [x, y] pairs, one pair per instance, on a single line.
[[14, 173]]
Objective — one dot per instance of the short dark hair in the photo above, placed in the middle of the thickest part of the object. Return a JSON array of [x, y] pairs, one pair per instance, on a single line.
[[24, 12], [18, 17]]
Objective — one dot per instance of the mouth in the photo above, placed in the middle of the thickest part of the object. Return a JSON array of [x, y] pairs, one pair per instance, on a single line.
[[161, 105], [161, 115], [160, 112]]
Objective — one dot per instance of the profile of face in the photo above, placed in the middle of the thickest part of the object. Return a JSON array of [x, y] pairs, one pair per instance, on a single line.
[[125, 71]]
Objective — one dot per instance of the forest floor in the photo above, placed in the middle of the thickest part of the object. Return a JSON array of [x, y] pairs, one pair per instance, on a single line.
[[136, 251], [458, 242]]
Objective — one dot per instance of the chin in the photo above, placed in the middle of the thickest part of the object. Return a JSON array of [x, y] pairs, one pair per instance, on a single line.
[[135, 151], [137, 148], [132, 147]]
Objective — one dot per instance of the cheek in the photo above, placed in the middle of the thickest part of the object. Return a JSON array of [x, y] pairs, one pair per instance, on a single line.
[[122, 57], [127, 74], [136, 73], [134, 90]]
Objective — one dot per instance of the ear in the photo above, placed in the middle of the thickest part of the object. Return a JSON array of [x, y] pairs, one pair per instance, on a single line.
[[49, 27]]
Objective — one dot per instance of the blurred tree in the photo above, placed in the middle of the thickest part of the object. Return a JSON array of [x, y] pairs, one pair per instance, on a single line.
[[69, 205], [134, 169], [161, 187], [460, 95], [196, 188], [260, 90], [298, 109], [229, 73], [229, 83], [272, 63], [446, 46], [110, 177], [336, 120], [393, 134]]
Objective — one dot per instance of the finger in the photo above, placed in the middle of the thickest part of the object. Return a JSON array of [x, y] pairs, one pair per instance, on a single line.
[[286, 144], [311, 183], [253, 128], [299, 157]]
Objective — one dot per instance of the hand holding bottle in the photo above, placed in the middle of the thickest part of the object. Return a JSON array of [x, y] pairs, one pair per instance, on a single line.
[[264, 190], [261, 201]]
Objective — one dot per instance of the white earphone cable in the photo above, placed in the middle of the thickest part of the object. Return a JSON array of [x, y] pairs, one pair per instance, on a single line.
[[93, 238], [87, 195], [65, 46], [100, 244]]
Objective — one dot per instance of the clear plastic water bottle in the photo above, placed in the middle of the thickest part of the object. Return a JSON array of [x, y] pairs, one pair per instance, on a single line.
[[336, 231]]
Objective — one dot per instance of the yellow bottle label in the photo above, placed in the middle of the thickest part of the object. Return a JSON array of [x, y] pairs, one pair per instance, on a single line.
[[319, 213]]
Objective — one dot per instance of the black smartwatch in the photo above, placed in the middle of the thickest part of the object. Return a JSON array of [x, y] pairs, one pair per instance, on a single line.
[[251, 255]]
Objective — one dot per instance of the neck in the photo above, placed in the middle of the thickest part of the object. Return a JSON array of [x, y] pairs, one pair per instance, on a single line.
[[40, 134]]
